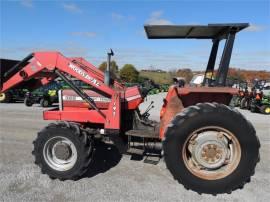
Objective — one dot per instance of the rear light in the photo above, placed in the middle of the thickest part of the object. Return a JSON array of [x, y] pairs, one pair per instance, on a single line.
[[258, 97], [241, 94]]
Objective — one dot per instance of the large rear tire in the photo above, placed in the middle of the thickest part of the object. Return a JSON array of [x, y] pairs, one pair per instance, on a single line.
[[63, 151], [211, 148]]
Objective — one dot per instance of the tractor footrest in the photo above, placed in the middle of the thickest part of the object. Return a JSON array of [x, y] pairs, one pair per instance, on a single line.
[[143, 133], [135, 151]]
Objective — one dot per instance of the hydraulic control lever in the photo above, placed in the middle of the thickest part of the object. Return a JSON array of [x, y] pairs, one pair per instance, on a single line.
[[146, 114]]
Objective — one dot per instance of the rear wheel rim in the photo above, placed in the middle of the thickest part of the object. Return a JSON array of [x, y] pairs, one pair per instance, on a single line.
[[211, 153], [60, 153]]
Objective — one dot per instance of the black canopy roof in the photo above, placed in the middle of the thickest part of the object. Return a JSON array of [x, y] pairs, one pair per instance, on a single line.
[[210, 31]]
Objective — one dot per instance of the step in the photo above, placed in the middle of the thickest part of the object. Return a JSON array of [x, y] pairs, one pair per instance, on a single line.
[[143, 133], [152, 159], [135, 151]]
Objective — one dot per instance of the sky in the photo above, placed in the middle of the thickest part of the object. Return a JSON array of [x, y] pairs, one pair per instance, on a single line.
[[89, 28]]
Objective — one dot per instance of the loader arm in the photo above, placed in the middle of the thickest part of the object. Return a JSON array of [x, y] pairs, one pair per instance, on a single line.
[[43, 67]]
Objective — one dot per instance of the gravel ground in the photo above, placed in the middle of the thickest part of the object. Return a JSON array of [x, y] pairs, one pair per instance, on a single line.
[[112, 177]]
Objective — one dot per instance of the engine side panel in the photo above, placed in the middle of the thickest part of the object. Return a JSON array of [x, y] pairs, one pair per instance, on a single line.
[[130, 98], [70, 100]]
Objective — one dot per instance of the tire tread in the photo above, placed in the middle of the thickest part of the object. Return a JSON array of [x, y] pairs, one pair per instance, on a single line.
[[206, 108], [84, 139]]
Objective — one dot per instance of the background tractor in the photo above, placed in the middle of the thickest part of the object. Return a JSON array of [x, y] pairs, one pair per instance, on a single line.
[[256, 93], [45, 95], [259, 101], [261, 104], [203, 146], [14, 95], [242, 93]]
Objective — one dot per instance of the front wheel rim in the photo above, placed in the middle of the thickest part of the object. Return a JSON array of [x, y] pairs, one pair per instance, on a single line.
[[60, 153], [211, 153]]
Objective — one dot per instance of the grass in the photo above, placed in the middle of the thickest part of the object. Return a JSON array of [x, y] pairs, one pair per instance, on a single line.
[[158, 77]]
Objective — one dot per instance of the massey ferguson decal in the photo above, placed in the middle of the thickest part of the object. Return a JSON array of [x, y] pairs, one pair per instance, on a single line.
[[83, 73]]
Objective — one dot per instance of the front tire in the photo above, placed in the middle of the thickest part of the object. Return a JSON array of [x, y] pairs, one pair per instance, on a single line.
[[44, 102], [28, 102], [207, 151], [253, 109], [63, 151]]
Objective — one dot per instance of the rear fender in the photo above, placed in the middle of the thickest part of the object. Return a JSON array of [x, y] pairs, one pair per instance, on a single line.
[[179, 98], [192, 96], [172, 105]]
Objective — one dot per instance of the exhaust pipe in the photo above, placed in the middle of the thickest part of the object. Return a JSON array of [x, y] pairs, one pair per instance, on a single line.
[[107, 76]]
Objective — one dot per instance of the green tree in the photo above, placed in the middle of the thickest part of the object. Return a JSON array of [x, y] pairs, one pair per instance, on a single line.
[[129, 73], [114, 68]]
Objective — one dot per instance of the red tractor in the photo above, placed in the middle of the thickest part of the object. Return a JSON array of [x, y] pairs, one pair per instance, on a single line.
[[242, 93], [207, 146]]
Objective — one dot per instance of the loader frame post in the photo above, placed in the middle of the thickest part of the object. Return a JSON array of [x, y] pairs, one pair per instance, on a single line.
[[112, 123]]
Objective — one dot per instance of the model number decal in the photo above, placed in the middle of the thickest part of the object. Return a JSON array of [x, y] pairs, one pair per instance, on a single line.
[[114, 109], [84, 74], [76, 98]]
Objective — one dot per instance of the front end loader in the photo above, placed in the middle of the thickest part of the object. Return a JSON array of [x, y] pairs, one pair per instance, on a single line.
[[207, 146]]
